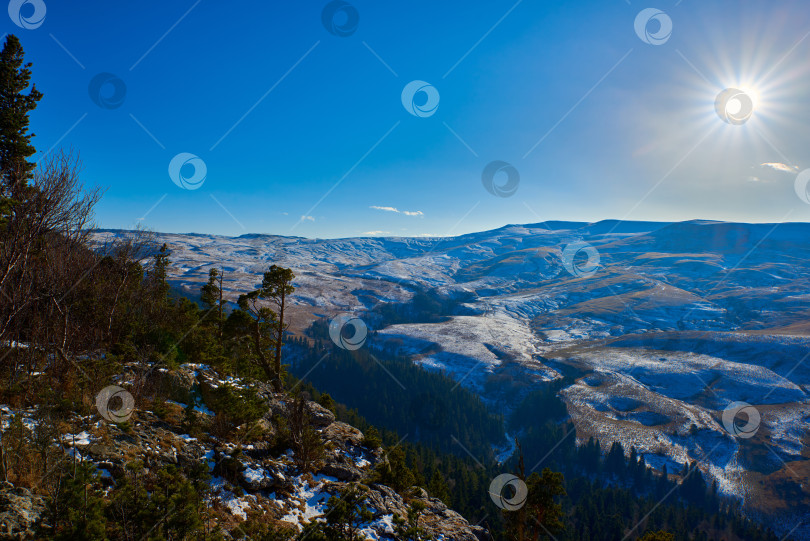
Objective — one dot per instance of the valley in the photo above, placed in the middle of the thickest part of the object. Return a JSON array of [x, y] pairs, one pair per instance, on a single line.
[[675, 323]]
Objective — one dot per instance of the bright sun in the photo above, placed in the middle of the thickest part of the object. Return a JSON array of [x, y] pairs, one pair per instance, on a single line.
[[752, 93]]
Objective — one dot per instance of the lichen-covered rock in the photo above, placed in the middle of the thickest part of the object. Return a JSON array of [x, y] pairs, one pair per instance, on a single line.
[[253, 471], [384, 500], [342, 434], [342, 472], [268, 476], [177, 385], [319, 415], [20, 512]]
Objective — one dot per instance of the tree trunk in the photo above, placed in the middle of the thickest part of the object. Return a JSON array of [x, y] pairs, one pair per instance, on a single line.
[[279, 342], [263, 361]]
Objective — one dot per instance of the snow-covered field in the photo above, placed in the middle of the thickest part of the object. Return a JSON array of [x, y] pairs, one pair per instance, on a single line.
[[677, 321]]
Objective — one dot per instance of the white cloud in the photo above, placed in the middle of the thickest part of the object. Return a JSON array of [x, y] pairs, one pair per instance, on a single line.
[[780, 167], [375, 233], [310, 218], [394, 209]]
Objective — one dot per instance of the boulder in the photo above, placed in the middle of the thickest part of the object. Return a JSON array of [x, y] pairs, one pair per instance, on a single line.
[[177, 385], [480, 533], [20, 512], [267, 475], [342, 434], [342, 472], [385, 501], [319, 415]]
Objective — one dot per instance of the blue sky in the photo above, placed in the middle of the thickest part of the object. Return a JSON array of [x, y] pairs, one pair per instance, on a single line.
[[293, 121]]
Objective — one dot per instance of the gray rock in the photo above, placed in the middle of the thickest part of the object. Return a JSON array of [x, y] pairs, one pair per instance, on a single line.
[[271, 479], [342, 472], [384, 500], [342, 434], [319, 415], [20, 511], [177, 385], [480, 533]]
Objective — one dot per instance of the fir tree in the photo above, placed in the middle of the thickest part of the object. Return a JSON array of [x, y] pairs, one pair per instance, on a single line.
[[15, 105], [437, 487]]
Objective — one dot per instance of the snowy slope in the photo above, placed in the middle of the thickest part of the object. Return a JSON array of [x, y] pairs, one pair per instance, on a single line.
[[677, 322]]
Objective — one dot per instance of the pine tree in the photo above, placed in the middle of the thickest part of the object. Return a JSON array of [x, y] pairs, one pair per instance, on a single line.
[[541, 513], [15, 105], [394, 472], [258, 321], [346, 513], [77, 511], [277, 286], [409, 529], [269, 326], [211, 296], [159, 273], [541, 503]]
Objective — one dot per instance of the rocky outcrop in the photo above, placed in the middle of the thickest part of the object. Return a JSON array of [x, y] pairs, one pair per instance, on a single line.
[[177, 385], [20, 512], [253, 472]]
